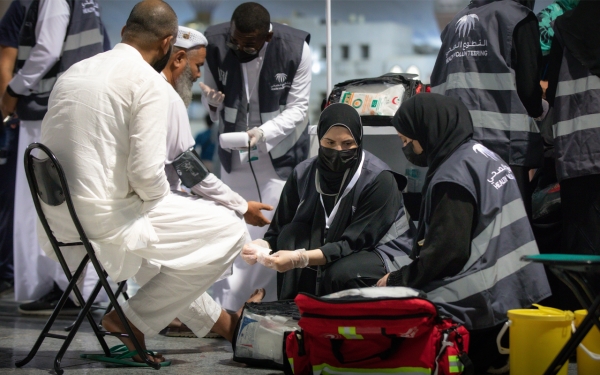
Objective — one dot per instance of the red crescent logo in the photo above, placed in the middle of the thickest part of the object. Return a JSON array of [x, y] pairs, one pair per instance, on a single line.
[[395, 100]]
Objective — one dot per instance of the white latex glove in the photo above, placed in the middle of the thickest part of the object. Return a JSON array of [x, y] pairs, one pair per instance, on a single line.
[[214, 98], [256, 251], [545, 106], [285, 260], [256, 136]]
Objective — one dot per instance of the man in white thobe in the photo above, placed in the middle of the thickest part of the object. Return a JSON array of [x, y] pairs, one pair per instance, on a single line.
[[107, 124], [182, 71], [34, 273]]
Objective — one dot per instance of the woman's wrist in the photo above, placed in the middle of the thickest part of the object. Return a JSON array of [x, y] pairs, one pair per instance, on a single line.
[[316, 257]]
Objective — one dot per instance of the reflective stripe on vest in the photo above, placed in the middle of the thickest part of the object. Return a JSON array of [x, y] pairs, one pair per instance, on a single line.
[[580, 123], [478, 282], [577, 119], [485, 82], [510, 213], [325, 368], [82, 39], [474, 80], [501, 236], [502, 121]]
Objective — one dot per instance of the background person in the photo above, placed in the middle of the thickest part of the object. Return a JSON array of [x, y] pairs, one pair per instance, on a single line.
[[346, 204], [9, 42], [48, 26], [257, 81], [574, 93], [182, 70], [490, 59], [473, 229]]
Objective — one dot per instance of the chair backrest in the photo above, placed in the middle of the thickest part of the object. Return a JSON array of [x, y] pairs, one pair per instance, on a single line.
[[47, 181]]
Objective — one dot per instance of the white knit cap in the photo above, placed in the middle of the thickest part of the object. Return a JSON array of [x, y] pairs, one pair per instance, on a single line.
[[189, 38]]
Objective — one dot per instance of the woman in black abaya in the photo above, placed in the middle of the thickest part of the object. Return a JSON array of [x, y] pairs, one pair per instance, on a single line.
[[340, 204]]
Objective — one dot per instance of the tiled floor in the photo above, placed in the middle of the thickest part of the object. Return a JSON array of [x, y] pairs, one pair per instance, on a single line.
[[189, 356]]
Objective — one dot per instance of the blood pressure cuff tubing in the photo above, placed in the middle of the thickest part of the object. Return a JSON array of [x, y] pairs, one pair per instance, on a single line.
[[190, 169]]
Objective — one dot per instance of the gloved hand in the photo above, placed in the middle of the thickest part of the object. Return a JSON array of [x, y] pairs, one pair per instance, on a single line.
[[256, 251], [256, 136], [214, 98], [285, 260], [545, 106]]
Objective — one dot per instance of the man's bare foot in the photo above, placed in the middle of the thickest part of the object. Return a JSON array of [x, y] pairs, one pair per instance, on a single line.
[[225, 325], [112, 323]]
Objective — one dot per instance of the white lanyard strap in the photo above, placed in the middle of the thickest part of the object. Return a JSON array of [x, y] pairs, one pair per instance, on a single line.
[[246, 85], [329, 218]]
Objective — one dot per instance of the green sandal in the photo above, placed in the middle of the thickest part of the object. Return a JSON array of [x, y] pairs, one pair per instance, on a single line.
[[119, 354]]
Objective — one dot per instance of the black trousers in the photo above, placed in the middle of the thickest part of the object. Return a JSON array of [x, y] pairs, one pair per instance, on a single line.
[[580, 205], [8, 171], [483, 350], [358, 270]]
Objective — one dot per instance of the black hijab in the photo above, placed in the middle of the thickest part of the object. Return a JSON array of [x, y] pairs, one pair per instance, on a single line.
[[338, 114], [580, 32], [441, 124]]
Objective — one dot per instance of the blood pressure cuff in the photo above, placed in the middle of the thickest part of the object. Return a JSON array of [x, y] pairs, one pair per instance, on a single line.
[[190, 169]]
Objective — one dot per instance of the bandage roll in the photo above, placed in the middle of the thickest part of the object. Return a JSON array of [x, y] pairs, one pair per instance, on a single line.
[[253, 253], [234, 140]]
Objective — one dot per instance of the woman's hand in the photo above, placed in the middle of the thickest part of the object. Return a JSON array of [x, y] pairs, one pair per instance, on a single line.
[[383, 280], [255, 251], [285, 260]]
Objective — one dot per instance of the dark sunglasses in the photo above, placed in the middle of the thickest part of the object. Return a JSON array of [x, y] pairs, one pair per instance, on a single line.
[[235, 47]]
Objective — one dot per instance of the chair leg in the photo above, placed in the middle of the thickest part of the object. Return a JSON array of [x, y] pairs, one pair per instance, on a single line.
[[119, 291], [53, 316], [571, 345], [121, 315], [85, 312]]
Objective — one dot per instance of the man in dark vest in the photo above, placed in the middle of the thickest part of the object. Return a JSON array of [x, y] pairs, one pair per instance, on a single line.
[[54, 36], [257, 82], [490, 59], [574, 93], [9, 42]]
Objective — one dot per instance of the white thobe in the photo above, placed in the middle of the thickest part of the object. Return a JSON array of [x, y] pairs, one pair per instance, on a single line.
[[34, 273], [106, 124], [233, 291]]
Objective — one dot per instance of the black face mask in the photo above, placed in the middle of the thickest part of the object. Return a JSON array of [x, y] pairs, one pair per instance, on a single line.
[[420, 160], [244, 57], [161, 64], [337, 161]]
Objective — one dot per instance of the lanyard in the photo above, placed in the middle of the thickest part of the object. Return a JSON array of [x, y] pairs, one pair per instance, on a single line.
[[246, 85], [329, 219]]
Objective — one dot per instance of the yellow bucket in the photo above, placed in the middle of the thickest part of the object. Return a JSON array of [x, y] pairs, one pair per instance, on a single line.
[[588, 357], [536, 337]]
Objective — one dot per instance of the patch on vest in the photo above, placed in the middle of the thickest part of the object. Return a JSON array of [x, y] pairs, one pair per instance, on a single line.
[[465, 24], [481, 149], [222, 76], [496, 181], [468, 47], [282, 84], [90, 6]]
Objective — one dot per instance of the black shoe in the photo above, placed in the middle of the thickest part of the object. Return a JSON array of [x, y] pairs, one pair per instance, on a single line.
[[46, 305], [6, 286]]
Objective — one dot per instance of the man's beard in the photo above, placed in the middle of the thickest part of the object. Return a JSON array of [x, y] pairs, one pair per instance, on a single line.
[[183, 85]]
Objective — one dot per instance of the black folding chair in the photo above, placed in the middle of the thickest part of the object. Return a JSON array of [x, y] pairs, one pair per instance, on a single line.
[[48, 183], [574, 271]]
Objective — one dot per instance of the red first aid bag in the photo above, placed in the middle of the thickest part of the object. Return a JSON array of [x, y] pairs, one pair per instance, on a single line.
[[382, 330]]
